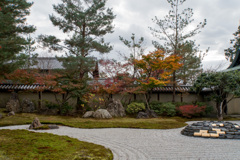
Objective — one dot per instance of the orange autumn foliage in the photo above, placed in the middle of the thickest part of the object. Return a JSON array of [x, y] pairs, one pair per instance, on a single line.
[[156, 68]]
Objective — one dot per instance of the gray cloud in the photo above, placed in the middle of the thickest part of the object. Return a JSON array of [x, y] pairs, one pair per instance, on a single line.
[[134, 16]]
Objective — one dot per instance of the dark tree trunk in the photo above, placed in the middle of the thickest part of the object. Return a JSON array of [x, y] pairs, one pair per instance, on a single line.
[[174, 86]]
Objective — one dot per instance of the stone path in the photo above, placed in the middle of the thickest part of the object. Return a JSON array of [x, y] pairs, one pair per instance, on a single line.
[[145, 144]]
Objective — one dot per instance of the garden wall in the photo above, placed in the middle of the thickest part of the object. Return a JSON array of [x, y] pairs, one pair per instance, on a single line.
[[34, 97], [161, 97], [233, 106]]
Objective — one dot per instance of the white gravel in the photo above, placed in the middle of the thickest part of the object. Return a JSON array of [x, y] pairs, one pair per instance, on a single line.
[[152, 144]]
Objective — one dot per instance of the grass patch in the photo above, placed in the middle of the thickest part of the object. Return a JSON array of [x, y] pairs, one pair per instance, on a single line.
[[77, 122], [22, 144], [126, 122]]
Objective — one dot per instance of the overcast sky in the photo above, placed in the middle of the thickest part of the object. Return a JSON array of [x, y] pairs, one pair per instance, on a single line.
[[135, 16]]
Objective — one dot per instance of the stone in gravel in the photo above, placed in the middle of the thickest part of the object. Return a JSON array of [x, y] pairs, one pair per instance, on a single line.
[[236, 137], [224, 129], [206, 128], [212, 132], [197, 134], [205, 135], [102, 113], [88, 114], [53, 126], [35, 124], [229, 136], [11, 113], [142, 115], [214, 135], [221, 137], [116, 109]]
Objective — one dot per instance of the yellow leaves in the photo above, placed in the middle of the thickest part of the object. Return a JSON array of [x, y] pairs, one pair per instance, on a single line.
[[156, 68], [152, 81]]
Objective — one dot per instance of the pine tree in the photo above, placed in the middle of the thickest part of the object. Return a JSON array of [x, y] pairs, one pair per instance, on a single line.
[[13, 27], [191, 60], [230, 53], [173, 30], [136, 51], [85, 22]]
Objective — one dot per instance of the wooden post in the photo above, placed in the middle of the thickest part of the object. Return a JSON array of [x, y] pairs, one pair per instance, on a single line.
[[181, 97], [158, 96], [40, 99]]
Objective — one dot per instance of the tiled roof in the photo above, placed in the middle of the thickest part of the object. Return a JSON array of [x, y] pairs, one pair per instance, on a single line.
[[40, 87], [170, 89], [37, 87], [20, 87]]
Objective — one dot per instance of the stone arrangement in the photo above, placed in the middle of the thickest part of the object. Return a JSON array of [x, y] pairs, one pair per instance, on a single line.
[[100, 114], [147, 114], [116, 109], [13, 105], [37, 124], [213, 129]]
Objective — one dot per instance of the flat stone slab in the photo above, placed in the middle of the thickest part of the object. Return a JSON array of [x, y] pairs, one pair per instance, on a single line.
[[213, 129]]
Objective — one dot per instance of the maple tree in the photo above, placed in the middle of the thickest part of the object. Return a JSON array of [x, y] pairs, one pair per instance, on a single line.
[[116, 79], [155, 69], [61, 82]]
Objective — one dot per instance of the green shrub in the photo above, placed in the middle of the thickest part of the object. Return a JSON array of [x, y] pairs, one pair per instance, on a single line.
[[178, 104], [163, 109], [208, 109], [51, 105], [135, 107], [66, 108], [63, 109]]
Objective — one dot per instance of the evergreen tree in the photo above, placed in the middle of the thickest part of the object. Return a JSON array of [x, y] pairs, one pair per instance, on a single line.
[[85, 22], [30, 52], [230, 53], [13, 27], [173, 30], [191, 60], [136, 51]]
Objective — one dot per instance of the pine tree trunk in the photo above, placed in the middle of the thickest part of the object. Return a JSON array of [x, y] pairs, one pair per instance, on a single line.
[[174, 86]]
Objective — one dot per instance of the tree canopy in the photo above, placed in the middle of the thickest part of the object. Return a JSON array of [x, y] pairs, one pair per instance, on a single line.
[[222, 86], [173, 31], [85, 23], [230, 53], [13, 28]]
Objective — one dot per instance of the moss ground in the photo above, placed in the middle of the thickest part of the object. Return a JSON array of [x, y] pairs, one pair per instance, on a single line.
[[25, 145]]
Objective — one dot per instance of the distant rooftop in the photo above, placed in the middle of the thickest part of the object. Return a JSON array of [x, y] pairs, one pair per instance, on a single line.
[[47, 63], [235, 65]]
